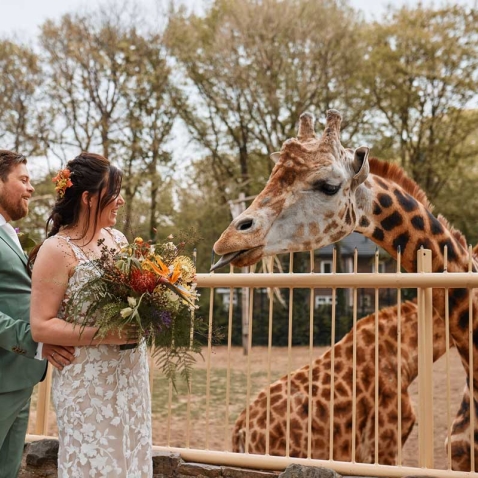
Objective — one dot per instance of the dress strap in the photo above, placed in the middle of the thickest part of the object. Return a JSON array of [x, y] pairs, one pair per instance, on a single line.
[[77, 250], [117, 236]]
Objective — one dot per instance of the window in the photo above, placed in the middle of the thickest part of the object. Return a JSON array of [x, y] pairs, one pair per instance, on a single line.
[[326, 267], [365, 301], [381, 267], [226, 297], [323, 300]]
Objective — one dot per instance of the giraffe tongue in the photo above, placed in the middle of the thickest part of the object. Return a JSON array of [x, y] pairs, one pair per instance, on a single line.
[[225, 260]]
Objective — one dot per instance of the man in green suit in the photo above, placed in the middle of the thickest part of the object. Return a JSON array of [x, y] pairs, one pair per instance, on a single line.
[[19, 371]]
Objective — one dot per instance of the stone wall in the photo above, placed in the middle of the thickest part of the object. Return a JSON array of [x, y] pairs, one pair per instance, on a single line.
[[40, 457], [39, 461]]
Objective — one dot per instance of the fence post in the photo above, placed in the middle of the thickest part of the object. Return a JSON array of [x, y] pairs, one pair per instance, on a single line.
[[425, 364], [43, 404]]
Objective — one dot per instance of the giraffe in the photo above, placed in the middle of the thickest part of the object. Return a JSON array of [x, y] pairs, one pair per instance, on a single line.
[[365, 395], [319, 192]]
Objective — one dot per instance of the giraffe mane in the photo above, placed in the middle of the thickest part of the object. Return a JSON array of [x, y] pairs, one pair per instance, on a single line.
[[457, 234], [396, 174]]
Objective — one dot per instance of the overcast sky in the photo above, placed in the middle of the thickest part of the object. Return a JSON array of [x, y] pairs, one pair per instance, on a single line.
[[22, 17]]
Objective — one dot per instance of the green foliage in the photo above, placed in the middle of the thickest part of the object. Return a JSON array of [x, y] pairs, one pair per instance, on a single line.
[[420, 74]]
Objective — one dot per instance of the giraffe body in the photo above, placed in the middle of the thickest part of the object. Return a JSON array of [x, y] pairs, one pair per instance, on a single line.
[[319, 192], [365, 393]]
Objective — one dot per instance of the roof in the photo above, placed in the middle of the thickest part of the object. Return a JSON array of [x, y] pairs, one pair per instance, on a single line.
[[365, 247]]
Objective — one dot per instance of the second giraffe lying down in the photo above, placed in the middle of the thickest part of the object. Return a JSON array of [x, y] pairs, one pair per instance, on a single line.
[[365, 418]]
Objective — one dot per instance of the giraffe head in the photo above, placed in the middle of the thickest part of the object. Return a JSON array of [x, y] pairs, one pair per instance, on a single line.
[[313, 197]]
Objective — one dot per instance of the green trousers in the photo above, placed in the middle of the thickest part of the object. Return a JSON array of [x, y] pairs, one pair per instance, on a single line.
[[14, 411]]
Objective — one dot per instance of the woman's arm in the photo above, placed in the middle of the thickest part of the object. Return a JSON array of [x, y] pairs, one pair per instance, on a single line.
[[51, 271]]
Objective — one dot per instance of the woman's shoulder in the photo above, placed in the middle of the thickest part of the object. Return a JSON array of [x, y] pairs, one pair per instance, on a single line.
[[56, 248]]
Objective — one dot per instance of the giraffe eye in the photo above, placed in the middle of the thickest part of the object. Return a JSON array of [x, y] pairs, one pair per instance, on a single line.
[[326, 188]]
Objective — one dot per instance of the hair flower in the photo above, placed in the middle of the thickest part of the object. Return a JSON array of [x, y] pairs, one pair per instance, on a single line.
[[63, 181]]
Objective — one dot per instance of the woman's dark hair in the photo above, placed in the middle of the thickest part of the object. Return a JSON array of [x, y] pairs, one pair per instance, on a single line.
[[88, 172]]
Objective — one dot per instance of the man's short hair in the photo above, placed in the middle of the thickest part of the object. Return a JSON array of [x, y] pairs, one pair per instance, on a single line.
[[8, 160]]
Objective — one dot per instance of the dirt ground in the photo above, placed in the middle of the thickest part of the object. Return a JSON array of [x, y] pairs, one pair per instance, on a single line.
[[211, 416]]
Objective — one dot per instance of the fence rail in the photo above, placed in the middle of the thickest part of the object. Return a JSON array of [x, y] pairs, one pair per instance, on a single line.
[[424, 282]]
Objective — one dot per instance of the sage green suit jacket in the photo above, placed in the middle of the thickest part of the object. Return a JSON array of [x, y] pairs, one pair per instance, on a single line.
[[18, 367]]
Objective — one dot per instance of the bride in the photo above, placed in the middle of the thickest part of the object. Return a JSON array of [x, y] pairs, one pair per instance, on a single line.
[[102, 400]]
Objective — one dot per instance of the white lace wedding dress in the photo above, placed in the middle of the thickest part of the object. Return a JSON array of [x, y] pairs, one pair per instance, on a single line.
[[102, 403]]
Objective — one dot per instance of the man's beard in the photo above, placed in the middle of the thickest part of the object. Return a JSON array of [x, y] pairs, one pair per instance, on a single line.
[[15, 210]]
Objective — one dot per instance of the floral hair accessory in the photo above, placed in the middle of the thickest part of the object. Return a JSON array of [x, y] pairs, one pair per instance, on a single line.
[[63, 181]]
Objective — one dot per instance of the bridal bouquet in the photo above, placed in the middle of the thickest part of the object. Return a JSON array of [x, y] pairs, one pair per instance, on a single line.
[[150, 286]]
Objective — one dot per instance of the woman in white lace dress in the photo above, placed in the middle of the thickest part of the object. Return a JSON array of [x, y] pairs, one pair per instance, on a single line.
[[102, 399]]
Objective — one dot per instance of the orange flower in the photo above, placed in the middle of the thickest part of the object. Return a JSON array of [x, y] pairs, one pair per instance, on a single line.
[[160, 267], [63, 181]]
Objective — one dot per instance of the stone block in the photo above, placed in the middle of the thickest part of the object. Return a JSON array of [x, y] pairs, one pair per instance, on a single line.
[[42, 452], [301, 471]]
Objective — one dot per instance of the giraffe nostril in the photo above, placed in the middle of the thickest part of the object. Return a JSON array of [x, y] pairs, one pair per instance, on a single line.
[[244, 225]]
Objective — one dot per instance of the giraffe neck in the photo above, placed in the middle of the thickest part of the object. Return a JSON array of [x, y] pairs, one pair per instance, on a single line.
[[401, 222], [388, 322]]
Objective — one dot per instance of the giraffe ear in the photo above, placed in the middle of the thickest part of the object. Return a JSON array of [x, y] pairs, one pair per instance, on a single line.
[[360, 166], [275, 157]]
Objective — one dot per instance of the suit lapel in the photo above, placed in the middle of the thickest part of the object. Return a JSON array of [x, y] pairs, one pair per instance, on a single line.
[[9, 242]]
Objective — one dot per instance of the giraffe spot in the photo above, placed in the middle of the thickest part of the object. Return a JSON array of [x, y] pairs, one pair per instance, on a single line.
[[322, 412], [401, 241], [435, 226], [456, 297], [325, 392], [385, 200], [386, 397], [300, 231], [392, 221], [464, 320], [338, 366], [276, 398], [342, 408], [348, 218], [377, 210], [331, 225], [354, 216], [424, 242], [307, 245], [367, 337], [341, 390], [407, 202], [314, 228], [378, 234], [337, 236], [364, 222], [475, 345], [392, 332], [382, 183], [418, 223], [452, 256], [277, 388], [368, 184]]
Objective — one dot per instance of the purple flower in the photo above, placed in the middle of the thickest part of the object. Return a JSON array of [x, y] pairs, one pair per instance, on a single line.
[[162, 319], [17, 230], [165, 317]]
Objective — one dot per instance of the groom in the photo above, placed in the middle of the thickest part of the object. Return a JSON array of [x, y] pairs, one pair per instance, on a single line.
[[19, 372]]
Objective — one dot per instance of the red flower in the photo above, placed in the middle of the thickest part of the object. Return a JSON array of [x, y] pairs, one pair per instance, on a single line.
[[143, 281]]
